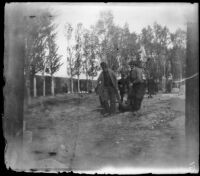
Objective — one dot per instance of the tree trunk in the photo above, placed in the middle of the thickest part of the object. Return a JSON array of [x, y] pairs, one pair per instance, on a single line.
[[181, 71], [72, 85], [86, 82], [27, 100], [164, 69], [52, 86], [44, 85], [92, 83], [34, 87], [78, 84]]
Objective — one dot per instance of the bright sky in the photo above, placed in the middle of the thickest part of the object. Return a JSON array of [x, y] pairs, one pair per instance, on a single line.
[[137, 15]]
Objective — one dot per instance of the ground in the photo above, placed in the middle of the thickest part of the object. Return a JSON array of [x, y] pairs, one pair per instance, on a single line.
[[68, 132]]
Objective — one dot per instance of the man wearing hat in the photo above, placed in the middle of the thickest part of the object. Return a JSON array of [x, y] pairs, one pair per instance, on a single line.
[[136, 87], [108, 89]]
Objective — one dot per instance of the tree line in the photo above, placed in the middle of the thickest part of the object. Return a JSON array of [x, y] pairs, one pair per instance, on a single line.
[[87, 47]]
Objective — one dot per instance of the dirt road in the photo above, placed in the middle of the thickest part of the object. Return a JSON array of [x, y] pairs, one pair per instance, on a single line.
[[68, 132]]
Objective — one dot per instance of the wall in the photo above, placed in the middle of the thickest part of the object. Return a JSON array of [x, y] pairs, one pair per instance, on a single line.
[[62, 85]]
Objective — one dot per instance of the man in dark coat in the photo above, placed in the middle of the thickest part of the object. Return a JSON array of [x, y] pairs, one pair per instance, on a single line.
[[136, 88], [150, 72], [108, 89]]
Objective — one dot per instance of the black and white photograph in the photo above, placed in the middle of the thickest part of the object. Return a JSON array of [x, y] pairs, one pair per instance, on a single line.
[[106, 88]]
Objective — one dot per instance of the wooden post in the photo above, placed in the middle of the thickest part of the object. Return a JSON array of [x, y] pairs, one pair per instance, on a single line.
[[44, 85], [192, 94], [27, 98], [35, 86], [52, 85], [14, 87], [78, 84], [72, 85]]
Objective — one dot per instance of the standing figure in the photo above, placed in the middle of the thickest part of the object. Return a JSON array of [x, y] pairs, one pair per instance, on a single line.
[[136, 89], [163, 83], [108, 89], [169, 83], [150, 72], [151, 86], [122, 84]]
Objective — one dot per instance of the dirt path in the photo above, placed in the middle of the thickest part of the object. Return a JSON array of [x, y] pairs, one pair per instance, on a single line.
[[70, 133]]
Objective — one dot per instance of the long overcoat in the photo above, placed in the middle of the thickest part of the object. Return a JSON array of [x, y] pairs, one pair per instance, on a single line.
[[138, 88], [101, 90]]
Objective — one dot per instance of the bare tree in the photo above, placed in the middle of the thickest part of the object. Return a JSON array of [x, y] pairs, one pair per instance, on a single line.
[[178, 53], [70, 57], [86, 54], [93, 66], [78, 52], [53, 59], [35, 47]]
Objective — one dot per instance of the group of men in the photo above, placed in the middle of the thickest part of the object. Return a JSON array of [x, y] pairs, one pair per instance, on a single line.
[[133, 84], [111, 91]]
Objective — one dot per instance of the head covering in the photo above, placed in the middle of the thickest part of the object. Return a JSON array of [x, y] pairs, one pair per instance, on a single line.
[[103, 64]]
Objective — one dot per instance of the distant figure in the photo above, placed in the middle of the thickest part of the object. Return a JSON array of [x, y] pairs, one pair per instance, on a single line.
[[156, 85], [163, 83], [150, 86], [108, 89], [169, 83], [65, 88], [150, 72], [122, 84]]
